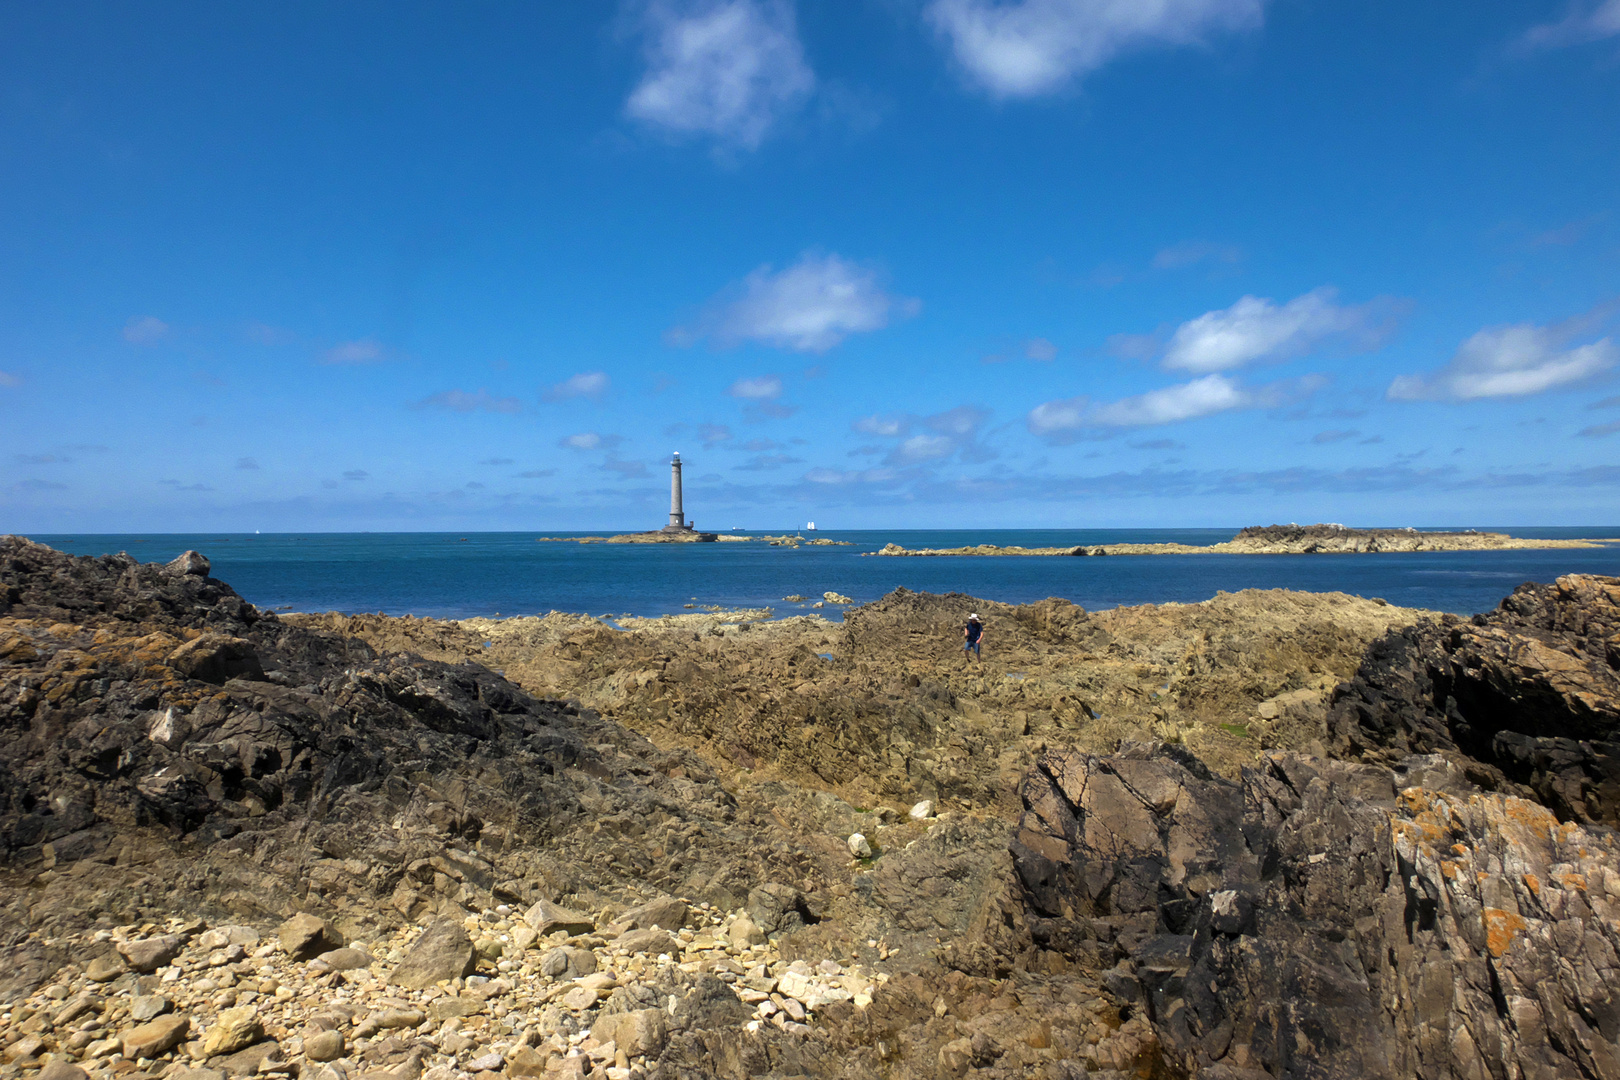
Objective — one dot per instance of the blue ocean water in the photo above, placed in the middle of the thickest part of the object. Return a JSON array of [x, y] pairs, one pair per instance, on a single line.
[[455, 576]]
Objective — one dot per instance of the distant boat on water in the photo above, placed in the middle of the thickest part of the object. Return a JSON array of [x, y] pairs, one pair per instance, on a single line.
[[810, 527]]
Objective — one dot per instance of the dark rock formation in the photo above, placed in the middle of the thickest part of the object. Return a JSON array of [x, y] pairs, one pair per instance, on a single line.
[[1324, 919], [1526, 698]]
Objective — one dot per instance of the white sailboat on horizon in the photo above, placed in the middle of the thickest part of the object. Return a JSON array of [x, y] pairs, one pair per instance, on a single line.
[[810, 527]]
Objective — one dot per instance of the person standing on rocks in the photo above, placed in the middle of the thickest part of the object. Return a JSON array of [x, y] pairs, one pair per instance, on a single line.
[[973, 637]]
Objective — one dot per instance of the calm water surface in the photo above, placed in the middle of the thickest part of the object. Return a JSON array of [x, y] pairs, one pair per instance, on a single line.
[[458, 575]]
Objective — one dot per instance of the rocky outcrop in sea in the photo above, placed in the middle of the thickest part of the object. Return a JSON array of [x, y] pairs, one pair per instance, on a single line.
[[1271, 835]]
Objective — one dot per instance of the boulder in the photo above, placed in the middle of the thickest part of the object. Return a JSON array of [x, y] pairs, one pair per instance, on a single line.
[[547, 918], [189, 564], [62, 1070], [444, 951], [217, 659], [304, 936], [859, 846], [233, 1030], [154, 1038], [149, 1007], [666, 913], [146, 955], [744, 932], [641, 1032], [778, 909], [105, 968]]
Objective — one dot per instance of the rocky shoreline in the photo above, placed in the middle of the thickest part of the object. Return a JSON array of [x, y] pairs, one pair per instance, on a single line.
[[1282, 540], [1273, 834]]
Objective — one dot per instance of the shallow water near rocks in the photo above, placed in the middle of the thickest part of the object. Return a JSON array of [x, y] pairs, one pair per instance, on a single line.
[[450, 575]]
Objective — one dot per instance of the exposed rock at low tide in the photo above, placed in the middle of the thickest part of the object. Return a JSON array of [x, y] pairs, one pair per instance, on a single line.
[[376, 857]]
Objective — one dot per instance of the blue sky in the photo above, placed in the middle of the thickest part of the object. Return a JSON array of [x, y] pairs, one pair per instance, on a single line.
[[877, 263]]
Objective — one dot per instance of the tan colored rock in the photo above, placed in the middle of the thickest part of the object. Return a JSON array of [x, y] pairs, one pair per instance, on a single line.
[[648, 941], [744, 932], [643, 1031], [547, 918], [526, 1062], [305, 935], [105, 968], [443, 952], [151, 1039], [324, 1046], [580, 998], [148, 954], [233, 1030], [62, 1070]]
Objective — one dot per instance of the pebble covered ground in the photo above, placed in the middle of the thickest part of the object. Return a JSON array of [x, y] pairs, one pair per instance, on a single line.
[[536, 994]]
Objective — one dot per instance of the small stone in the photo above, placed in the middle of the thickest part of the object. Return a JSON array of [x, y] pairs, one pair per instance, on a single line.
[[524, 938], [490, 1062], [146, 955], [346, 959], [859, 846], [648, 941], [923, 810], [451, 1008], [105, 968], [325, 1046], [233, 1030], [580, 998], [400, 1018], [305, 935], [666, 913], [149, 1007], [150, 1040]]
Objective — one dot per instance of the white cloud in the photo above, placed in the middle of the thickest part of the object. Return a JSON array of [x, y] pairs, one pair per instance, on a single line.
[[809, 306], [145, 331], [1172, 404], [462, 402], [365, 351], [726, 69], [590, 440], [587, 384], [1514, 361], [1031, 47], [1193, 252], [921, 448], [1255, 329], [882, 425], [1040, 349], [762, 388], [1584, 24]]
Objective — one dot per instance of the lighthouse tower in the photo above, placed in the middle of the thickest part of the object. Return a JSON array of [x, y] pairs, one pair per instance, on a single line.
[[677, 514]]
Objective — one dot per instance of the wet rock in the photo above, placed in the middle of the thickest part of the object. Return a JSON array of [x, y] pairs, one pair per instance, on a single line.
[[151, 1039], [443, 952]]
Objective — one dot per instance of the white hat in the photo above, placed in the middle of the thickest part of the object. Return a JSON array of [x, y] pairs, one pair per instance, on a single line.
[[975, 618]]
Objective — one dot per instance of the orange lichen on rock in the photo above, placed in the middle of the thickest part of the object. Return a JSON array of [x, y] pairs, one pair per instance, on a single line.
[[1528, 813], [1500, 929], [1573, 881], [1532, 883]]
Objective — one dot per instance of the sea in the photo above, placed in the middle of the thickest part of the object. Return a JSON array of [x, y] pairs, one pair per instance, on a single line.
[[460, 575]]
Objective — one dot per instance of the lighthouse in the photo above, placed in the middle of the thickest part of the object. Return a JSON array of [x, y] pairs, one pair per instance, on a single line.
[[677, 514]]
